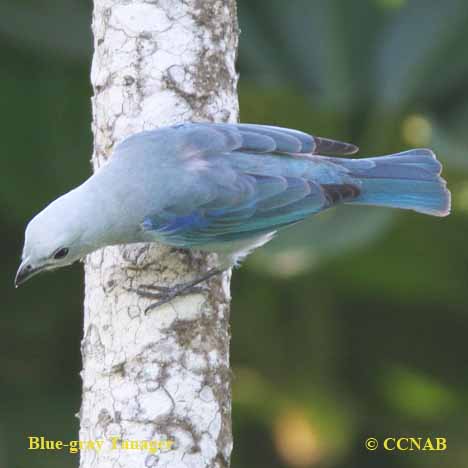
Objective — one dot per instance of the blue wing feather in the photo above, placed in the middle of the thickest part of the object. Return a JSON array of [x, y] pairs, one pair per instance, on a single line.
[[239, 181], [263, 205], [249, 180]]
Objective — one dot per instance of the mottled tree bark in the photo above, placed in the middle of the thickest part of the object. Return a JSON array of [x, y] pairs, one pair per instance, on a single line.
[[165, 375]]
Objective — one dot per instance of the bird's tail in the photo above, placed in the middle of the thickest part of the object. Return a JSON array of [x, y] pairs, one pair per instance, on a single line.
[[409, 180]]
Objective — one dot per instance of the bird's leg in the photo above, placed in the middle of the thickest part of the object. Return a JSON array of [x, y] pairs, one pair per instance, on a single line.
[[166, 294]]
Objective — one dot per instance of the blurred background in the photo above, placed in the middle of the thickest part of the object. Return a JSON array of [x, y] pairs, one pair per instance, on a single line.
[[352, 325]]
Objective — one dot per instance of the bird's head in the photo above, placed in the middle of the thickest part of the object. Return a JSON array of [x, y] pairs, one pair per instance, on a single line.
[[53, 239]]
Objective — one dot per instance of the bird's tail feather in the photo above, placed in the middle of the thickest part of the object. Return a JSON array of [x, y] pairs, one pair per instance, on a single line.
[[409, 180]]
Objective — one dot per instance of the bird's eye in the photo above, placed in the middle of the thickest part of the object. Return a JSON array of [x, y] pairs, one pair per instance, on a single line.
[[61, 253]]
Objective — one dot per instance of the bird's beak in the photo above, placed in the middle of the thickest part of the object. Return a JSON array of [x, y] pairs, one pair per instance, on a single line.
[[26, 271]]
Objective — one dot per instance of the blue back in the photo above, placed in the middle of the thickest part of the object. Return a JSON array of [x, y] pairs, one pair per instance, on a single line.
[[240, 181]]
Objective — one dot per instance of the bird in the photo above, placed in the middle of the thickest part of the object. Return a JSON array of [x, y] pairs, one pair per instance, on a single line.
[[224, 188]]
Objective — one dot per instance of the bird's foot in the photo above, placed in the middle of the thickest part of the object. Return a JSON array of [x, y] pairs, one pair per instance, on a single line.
[[165, 294]]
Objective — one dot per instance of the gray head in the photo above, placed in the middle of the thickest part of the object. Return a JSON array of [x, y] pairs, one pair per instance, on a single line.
[[54, 238]]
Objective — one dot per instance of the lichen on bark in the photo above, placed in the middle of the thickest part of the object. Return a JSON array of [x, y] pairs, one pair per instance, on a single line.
[[164, 375]]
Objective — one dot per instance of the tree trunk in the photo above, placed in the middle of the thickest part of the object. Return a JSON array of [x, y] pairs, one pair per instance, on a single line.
[[163, 376]]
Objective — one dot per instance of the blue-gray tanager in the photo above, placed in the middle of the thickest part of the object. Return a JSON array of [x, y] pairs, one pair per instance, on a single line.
[[221, 187]]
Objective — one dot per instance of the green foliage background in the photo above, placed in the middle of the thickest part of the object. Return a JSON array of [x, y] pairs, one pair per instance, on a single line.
[[349, 326]]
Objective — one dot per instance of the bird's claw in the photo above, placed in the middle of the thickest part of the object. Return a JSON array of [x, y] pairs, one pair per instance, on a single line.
[[166, 294]]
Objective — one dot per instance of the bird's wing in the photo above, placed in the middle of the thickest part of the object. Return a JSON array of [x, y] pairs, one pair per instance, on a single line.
[[253, 205], [292, 141], [247, 181], [254, 138]]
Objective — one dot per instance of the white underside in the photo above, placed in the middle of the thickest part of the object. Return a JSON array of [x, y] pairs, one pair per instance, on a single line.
[[230, 254]]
